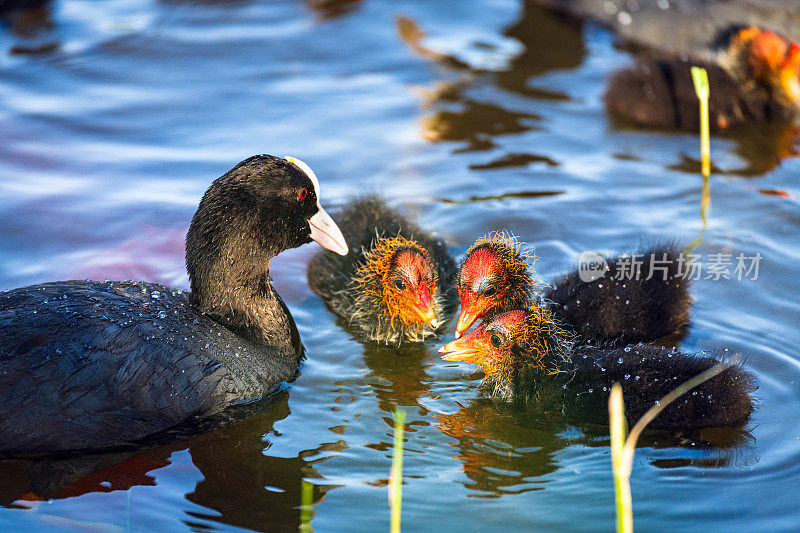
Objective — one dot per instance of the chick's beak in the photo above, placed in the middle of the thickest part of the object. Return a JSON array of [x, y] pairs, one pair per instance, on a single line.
[[325, 231], [429, 317], [470, 312], [462, 350], [424, 308]]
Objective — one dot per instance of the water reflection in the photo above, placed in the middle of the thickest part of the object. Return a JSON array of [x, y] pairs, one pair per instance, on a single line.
[[232, 461], [30, 24], [499, 455], [491, 197], [764, 147], [401, 372], [549, 42], [236, 463], [705, 207], [509, 449], [476, 123], [326, 10]]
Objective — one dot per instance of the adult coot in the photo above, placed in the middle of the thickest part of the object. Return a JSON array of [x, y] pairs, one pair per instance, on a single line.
[[397, 284], [85, 363], [528, 357], [640, 297]]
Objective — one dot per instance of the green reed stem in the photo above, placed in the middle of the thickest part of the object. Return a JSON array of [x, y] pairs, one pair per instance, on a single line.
[[622, 448], [703, 91], [705, 209], [622, 487], [396, 481], [701, 88], [306, 506]]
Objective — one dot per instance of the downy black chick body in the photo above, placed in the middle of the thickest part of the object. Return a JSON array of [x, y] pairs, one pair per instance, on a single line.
[[528, 358], [642, 297]]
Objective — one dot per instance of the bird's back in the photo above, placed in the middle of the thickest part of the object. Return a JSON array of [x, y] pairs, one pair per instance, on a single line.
[[647, 374], [642, 297], [91, 363]]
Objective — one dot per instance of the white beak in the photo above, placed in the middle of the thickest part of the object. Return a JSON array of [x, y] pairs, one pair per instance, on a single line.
[[325, 231]]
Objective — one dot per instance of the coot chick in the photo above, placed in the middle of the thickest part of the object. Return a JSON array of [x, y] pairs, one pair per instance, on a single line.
[[755, 80], [641, 297], [528, 357], [397, 283], [85, 363]]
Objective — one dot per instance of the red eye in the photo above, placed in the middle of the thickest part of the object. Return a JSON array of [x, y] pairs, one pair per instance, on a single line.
[[303, 194]]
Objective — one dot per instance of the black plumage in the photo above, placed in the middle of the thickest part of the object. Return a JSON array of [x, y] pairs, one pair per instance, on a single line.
[[646, 373], [661, 94], [8, 6], [529, 358], [642, 297], [372, 229], [86, 363]]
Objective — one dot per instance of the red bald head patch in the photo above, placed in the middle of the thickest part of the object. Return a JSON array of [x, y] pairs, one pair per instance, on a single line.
[[479, 267], [409, 286], [494, 275], [412, 265]]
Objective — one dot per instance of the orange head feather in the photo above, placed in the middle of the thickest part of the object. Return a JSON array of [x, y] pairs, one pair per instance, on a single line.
[[494, 275], [512, 344], [398, 282], [772, 59]]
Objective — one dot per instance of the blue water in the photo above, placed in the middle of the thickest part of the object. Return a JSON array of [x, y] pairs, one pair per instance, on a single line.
[[493, 120]]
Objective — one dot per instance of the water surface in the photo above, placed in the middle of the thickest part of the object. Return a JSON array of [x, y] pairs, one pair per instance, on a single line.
[[470, 116]]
